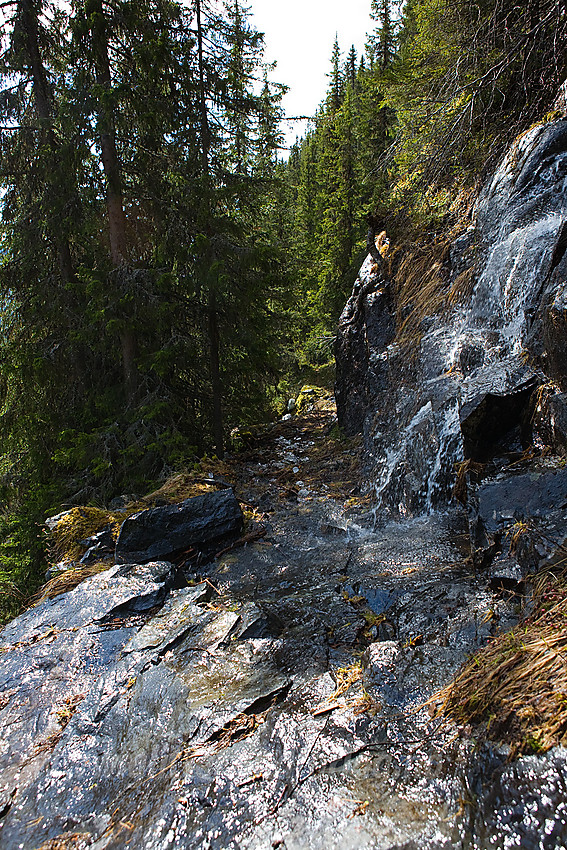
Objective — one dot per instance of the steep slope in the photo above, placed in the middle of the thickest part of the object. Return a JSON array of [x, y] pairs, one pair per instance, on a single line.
[[464, 390]]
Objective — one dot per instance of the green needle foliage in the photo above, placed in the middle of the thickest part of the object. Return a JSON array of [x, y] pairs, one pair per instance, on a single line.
[[140, 281], [164, 275], [407, 132]]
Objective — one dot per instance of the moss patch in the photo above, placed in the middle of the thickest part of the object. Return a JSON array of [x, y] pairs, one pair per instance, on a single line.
[[78, 524], [309, 396]]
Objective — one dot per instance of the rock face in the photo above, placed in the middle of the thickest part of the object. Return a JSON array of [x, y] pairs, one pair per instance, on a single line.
[[366, 328], [475, 390], [159, 532], [139, 714]]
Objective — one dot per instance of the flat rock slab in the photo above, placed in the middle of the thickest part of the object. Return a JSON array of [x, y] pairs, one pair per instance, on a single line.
[[157, 532], [215, 722], [55, 653], [522, 496]]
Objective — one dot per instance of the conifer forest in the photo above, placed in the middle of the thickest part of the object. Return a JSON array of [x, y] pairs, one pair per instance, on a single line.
[[167, 271]]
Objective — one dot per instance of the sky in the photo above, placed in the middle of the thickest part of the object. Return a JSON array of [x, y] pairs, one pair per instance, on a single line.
[[299, 35]]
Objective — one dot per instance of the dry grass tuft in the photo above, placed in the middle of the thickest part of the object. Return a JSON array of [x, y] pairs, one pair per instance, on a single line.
[[463, 287], [460, 488], [516, 533], [66, 712], [344, 678], [420, 289], [66, 581], [516, 686], [68, 841]]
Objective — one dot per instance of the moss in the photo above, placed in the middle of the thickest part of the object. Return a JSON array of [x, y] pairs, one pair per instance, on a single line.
[[308, 396], [77, 525]]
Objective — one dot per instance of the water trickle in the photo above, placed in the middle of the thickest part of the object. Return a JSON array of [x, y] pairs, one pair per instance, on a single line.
[[484, 347]]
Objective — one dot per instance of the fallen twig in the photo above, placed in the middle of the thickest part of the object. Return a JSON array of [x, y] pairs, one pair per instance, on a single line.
[[242, 541]]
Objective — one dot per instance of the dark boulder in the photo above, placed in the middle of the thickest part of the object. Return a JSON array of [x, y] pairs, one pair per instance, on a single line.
[[517, 521], [550, 419], [99, 547], [366, 327], [555, 336], [197, 522], [494, 420]]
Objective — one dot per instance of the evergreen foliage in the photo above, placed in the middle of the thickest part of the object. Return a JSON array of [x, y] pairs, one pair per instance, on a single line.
[[139, 280], [444, 88], [162, 271]]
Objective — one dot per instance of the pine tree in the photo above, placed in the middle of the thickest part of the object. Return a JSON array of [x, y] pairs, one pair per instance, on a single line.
[[37, 276], [336, 87], [350, 69], [383, 39]]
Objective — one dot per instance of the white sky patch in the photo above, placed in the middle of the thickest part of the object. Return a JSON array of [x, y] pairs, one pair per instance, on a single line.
[[299, 35]]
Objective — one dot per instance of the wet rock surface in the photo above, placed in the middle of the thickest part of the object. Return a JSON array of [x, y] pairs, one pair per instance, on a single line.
[[277, 701], [469, 388], [366, 326], [526, 805], [197, 522]]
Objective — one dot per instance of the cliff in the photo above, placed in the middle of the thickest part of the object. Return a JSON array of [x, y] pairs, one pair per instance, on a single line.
[[480, 387]]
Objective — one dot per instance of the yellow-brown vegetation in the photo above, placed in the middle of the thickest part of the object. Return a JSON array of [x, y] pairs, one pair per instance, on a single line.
[[66, 581], [420, 289], [515, 688]]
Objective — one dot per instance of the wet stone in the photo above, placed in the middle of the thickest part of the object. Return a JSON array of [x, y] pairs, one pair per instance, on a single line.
[[218, 720], [525, 804], [466, 390], [531, 504], [158, 532]]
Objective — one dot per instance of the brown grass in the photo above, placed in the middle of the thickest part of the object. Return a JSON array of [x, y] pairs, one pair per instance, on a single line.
[[463, 287], [67, 581], [68, 709], [420, 289], [516, 686], [460, 488], [68, 841], [345, 677], [421, 275]]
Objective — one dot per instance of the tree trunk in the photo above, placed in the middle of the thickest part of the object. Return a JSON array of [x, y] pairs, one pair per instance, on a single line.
[[42, 99], [205, 136], [214, 351], [112, 173], [212, 314]]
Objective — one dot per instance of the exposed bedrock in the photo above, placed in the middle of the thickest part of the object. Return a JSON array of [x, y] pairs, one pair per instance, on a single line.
[[488, 377]]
